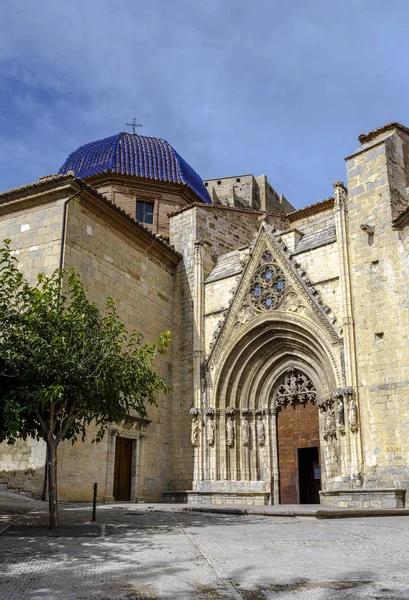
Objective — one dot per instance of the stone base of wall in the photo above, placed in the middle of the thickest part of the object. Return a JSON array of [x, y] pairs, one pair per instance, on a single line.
[[246, 498], [175, 497], [364, 498], [229, 486]]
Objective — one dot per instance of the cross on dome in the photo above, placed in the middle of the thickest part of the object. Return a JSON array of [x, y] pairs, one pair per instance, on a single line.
[[134, 124]]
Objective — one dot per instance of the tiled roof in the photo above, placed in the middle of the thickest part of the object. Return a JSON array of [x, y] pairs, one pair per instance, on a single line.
[[316, 239], [31, 187], [312, 209], [364, 138], [131, 154], [227, 265]]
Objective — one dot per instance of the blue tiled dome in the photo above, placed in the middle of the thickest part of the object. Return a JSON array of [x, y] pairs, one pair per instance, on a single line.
[[131, 154]]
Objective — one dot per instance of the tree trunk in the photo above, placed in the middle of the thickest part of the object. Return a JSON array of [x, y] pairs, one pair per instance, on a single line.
[[52, 484], [44, 494]]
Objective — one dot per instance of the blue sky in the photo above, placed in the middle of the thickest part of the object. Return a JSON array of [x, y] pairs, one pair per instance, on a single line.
[[281, 88]]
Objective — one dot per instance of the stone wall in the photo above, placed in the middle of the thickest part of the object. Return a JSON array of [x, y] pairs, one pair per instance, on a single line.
[[167, 199], [322, 267], [379, 276], [247, 191], [112, 264], [35, 232], [105, 249], [217, 230], [240, 191], [307, 222]]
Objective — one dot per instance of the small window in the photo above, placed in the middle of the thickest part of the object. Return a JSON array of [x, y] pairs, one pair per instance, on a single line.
[[237, 179], [144, 211], [206, 183], [219, 183]]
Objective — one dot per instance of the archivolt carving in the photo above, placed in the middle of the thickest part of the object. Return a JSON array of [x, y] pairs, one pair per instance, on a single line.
[[268, 320], [297, 388]]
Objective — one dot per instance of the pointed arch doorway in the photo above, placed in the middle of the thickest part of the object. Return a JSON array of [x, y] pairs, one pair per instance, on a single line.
[[298, 439]]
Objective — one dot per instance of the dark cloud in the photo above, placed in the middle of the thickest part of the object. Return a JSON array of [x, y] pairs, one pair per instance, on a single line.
[[236, 86]]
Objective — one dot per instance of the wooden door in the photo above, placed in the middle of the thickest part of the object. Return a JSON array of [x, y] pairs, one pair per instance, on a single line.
[[297, 428], [123, 469]]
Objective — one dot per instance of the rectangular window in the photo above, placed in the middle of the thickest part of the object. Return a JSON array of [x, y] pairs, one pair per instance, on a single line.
[[144, 211]]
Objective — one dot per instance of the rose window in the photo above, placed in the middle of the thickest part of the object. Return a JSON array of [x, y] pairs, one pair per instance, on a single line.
[[268, 285]]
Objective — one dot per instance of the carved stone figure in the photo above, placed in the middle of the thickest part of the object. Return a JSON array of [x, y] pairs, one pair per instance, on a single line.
[[245, 314], [245, 432], [195, 431], [230, 431], [261, 432], [329, 427], [353, 416], [210, 431], [341, 414]]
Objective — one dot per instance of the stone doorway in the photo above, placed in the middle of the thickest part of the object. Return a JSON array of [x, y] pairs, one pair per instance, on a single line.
[[298, 445], [123, 469]]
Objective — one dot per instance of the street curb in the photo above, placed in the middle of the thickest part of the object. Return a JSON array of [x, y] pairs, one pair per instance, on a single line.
[[361, 512], [318, 514]]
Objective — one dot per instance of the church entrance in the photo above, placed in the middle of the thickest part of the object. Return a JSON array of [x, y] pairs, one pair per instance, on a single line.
[[123, 469], [298, 440]]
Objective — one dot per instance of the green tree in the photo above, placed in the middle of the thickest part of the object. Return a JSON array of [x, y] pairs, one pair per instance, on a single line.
[[64, 365]]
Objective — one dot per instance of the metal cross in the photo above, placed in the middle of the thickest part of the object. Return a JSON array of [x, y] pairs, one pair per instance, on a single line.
[[134, 125]]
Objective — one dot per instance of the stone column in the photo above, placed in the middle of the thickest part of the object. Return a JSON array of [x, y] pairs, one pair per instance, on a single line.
[[200, 451], [275, 492], [354, 442]]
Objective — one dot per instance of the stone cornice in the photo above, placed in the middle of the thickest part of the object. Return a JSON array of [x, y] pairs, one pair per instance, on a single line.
[[144, 185], [228, 208]]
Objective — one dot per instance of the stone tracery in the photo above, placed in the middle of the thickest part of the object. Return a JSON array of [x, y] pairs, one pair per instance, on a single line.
[[296, 388], [268, 284]]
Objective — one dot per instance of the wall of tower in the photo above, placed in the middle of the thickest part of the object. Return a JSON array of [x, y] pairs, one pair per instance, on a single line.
[[218, 230], [165, 201], [377, 175]]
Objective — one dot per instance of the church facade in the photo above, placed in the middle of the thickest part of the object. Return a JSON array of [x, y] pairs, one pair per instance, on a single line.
[[289, 362]]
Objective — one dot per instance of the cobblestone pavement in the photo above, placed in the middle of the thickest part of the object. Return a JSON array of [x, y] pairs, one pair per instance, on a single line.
[[141, 552]]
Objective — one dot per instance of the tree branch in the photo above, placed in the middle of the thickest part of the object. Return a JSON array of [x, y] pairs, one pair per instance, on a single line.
[[43, 427]]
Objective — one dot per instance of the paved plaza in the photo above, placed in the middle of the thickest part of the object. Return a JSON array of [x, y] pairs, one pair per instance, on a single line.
[[140, 552]]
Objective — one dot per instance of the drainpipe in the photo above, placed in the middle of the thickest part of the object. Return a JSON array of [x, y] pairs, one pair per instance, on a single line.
[[60, 264], [64, 223]]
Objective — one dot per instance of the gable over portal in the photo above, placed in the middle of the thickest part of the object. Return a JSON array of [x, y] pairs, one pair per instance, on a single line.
[[272, 288]]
